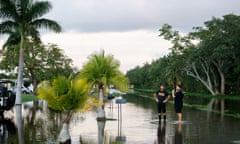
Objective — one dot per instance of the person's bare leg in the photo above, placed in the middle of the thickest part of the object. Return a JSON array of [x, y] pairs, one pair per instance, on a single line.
[[179, 117], [164, 116]]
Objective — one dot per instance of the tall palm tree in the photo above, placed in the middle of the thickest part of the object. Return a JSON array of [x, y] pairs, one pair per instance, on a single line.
[[102, 71], [24, 18]]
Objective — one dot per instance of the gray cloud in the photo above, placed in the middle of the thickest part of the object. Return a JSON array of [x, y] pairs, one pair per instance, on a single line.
[[127, 15]]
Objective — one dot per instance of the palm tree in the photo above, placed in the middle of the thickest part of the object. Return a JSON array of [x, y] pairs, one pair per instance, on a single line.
[[24, 18], [66, 95], [102, 71]]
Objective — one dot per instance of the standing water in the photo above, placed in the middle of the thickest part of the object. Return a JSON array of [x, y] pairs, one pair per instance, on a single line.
[[139, 126]]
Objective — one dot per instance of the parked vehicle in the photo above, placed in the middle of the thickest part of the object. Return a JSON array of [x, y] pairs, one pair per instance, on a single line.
[[7, 98], [24, 90]]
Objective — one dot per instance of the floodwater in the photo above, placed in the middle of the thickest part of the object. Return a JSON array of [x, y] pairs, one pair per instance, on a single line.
[[139, 125]]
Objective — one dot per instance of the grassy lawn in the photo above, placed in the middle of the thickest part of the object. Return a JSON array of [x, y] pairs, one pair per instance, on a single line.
[[191, 94], [28, 97]]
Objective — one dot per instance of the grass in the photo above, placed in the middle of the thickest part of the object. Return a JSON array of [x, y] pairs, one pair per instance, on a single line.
[[29, 97], [209, 96], [196, 106], [192, 94]]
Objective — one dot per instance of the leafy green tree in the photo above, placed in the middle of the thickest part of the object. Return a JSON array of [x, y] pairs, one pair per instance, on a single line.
[[204, 60], [24, 18], [42, 62], [219, 45], [101, 71]]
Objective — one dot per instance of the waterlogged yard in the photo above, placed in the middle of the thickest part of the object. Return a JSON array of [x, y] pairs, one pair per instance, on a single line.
[[139, 125]]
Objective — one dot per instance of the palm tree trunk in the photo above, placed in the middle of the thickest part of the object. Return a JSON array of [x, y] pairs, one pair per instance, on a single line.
[[64, 136], [100, 110], [20, 74]]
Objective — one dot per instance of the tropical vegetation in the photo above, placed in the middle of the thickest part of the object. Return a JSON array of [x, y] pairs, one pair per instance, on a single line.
[[205, 60], [21, 21], [42, 62], [102, 72], [64, 94]]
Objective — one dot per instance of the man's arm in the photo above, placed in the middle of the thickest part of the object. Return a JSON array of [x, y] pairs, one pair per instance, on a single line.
[[173, 93], [155, 97], [166, 100]]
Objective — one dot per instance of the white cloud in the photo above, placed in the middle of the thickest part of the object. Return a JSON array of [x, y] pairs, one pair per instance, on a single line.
[[130, 48], [127, 28], [128, 15]]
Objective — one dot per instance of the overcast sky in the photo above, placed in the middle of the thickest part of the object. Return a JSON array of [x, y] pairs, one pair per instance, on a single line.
[[128, 29]]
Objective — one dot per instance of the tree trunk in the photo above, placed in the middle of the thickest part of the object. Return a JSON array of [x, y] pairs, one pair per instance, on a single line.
[[219, 66], [64, 136], [20, 74], [222, 89], [100, 109], [34, 86], [204, 79], [101, 126]]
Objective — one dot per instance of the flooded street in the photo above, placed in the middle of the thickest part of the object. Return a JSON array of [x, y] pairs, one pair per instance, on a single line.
[[139, 126]]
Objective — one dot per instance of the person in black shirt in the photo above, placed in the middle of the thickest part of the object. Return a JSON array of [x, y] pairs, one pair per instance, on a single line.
[[178, 101], [161, 97]]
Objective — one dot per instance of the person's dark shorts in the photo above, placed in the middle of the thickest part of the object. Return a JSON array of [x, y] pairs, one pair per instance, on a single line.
[[178, 109], [161, 107]]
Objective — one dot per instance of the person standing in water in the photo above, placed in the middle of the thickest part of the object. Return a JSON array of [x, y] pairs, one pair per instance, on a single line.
[[178, 101], [161, 97]]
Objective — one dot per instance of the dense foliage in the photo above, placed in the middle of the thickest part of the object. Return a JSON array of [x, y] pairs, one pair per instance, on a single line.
[[21, 21], [207, 59], [42, 62], [101, 72], [64, 94]]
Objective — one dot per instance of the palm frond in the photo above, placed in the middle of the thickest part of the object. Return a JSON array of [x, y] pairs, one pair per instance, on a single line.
[[7, 26], [64, 94], [38, 9], [8, 10], [121, 82], [13, 39], [103, 69], [46, 24]]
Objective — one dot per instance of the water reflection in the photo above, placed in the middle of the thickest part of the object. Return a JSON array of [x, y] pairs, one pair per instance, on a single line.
[[101, 126], [178, 135], [139, 125], [7, 130], [41, 125], [161, 134], [18, 112]]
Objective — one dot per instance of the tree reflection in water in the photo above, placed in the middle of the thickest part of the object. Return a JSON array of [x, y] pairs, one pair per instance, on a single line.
[[8, 131], [40, 123], [19, 124]]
